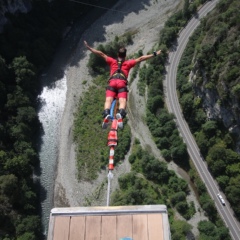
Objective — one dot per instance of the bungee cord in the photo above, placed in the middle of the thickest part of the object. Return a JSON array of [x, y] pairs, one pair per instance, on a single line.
[[93, 5], [110, 177], [112, 143]]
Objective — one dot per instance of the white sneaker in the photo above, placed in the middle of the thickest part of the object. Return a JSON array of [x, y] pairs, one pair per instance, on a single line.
[[120, 120], [106, 122]]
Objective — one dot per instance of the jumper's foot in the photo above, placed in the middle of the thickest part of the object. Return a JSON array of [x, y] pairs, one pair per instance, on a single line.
[[120, 120], [106, 122]]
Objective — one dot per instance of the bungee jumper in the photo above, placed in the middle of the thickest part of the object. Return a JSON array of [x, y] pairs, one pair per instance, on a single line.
[[117, 83]]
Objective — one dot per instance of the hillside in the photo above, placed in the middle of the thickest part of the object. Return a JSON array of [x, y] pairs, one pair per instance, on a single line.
[[208, 84]]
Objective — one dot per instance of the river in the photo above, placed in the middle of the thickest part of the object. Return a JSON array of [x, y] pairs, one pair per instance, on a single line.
[[52, 100]]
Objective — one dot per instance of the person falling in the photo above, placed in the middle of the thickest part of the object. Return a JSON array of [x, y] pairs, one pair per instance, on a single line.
[[117, 83]]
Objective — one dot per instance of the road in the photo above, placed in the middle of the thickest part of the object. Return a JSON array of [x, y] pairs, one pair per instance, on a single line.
[[174, 107]]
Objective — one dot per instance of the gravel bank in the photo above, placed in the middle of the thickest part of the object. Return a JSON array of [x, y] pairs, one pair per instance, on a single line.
[[145, 17]]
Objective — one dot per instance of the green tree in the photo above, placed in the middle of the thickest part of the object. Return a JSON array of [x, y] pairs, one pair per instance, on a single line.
[[202, 142], [177, 184], [187, 104], [182, 207], [210, 128], [168, 35], [208, 206], [232, 193], [180, 229], [186, 12], [166, 154], [233, 170], [179, 152], [8, 189], [223, 181], [178, 197], [24, 72], [26, 114], [216, 158], [155, 170], [236, 90], [28, 224], [155, 103], [27, 236], [17, 99], [207, 228]]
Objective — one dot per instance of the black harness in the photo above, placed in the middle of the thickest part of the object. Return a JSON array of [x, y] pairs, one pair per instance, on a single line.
[[118, 74]]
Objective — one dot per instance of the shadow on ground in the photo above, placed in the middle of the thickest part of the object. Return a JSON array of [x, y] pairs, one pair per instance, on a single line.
[[69, 44]]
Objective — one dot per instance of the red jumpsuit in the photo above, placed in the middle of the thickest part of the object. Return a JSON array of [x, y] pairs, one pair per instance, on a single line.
[[118, 83]]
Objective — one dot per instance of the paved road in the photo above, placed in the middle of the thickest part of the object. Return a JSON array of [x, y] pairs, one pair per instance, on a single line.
[[173, 105]]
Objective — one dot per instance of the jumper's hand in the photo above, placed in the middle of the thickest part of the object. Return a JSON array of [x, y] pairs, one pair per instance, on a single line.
[[86, 44]]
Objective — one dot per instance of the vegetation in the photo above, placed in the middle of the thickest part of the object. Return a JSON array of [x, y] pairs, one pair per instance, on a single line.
[[209, 231], [214, 52], [92, 154], [150, 182]]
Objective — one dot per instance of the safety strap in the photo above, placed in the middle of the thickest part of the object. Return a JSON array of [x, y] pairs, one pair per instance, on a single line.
[[119, 73], [124, 89]]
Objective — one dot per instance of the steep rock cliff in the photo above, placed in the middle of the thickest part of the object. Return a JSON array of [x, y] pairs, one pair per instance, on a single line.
[[215, 74]]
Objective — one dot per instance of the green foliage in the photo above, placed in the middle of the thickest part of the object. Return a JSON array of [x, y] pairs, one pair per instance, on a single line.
[[27, 227], [236, 90], [135, 191], [180, 229], [24, 73], [92, 154], [202, 143], [223, 181], [210, 128], [213, 57], [187, 104], [232, 193], [208, 206], [178, 197], [155, 103], [209, 231], [160, 179], [27, 236]]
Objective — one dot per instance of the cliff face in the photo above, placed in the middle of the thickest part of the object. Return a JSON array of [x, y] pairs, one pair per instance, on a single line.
[[216, 74], [13, 7], [226, 110]]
